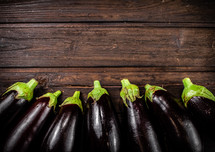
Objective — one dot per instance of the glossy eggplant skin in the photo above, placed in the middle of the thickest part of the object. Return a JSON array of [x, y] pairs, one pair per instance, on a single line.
[[141, 134], [203, 113], [178, 130], [10, 109], [103, 131], [25, 132], [64, 135]]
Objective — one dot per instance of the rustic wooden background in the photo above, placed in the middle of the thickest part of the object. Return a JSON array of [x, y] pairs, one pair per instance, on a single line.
[[67, 45]]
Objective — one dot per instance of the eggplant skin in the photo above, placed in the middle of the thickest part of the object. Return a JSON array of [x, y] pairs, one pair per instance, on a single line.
[[11, 109], [103, 131], [175, 125], [25, 132], [64, 135], [140, 131], [203, 113]]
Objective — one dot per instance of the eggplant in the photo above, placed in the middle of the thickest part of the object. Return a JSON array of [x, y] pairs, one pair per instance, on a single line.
[[140, 132], [25, 132], [178, 130], [102, 125], [64, 135], [200, 103], [14, 101]]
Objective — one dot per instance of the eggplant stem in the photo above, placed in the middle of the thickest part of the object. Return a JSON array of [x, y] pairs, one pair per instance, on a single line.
[[73, 100], [192, 90], [129, 91], [187, 82], [76, 94], [57, 93], [97, 92], [125, 83], [52, 98], [25, 90], [32, 84], [147, 86], [97, 84], [150, 90]]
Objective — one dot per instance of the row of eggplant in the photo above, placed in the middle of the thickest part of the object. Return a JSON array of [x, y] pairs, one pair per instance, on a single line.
[[157, 122]]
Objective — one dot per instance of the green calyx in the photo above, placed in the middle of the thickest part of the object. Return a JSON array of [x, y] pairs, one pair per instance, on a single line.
[[24, 90], [52, 98], [73, 100], [150, 90], [97, 92], [192, 90], [129, 91]]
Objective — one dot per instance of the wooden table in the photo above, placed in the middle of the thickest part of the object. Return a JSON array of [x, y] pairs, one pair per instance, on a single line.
[[67, 45]]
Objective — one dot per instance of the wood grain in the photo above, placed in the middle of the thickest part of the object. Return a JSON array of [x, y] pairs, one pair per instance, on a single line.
[[68, 44], [108, 10], [89, 45], [56, 77]]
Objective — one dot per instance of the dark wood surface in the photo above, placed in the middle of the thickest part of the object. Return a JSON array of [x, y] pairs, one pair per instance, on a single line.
[[107, 10], [67, 45], [74, 45]]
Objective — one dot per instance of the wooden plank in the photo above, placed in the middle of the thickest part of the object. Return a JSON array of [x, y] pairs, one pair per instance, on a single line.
[[107, 10], [72, 78], [89, 45]]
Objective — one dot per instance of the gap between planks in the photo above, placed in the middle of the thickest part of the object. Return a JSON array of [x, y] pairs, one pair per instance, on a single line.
[[107, 24], [109, 68]]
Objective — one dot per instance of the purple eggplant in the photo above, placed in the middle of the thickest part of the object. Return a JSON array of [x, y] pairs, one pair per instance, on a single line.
[[200, 102], [102, 131], [140, 132], [177, 128], [64, 135], [14, 101], [25, 132]]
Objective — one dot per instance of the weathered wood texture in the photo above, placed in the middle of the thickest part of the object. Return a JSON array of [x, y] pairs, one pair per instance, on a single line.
[[67, 44], [89, 45], [108, 76], [107, 10]]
